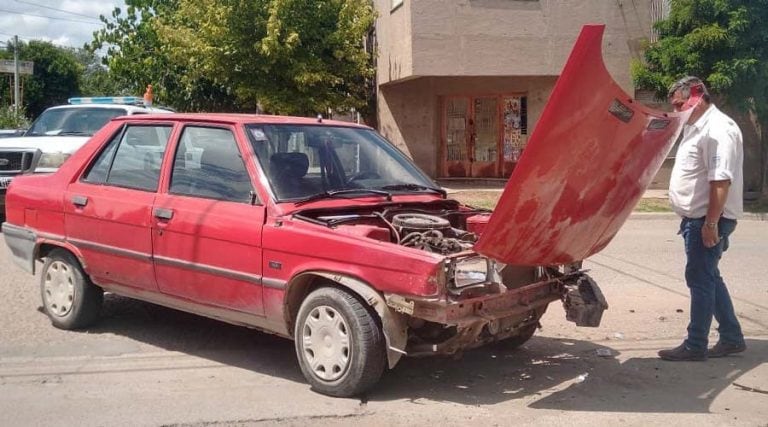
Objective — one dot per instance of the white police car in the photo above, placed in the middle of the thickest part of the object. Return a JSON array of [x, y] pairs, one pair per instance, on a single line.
[[59, 131]]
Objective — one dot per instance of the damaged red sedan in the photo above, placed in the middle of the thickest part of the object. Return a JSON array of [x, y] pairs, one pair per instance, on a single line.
[[324, 233]]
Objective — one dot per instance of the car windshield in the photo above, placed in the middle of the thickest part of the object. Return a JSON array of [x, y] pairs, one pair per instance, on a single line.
[[306, 162], [73, 121]]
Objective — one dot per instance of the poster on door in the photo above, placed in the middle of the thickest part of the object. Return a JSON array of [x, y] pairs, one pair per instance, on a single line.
[[515, 127]]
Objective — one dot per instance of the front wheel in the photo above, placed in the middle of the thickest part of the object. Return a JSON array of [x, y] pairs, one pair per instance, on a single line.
[[512, 343], [339, 343], [70, 300]]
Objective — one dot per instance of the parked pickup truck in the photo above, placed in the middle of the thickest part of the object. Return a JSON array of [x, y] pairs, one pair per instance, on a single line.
[[58, 132], [324, 233]]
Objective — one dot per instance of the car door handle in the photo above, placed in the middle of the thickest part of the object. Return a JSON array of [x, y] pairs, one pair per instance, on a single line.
[[162, 213], [79, 201]]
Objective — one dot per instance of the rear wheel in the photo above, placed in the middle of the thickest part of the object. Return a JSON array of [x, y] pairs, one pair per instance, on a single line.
[[339, 343], [70, 300]]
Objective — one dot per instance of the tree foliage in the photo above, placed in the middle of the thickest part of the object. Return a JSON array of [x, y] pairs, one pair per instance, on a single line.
[[131, 48], [10, 118], [55, 78], [724, 42], [285, 56], [96, 79]]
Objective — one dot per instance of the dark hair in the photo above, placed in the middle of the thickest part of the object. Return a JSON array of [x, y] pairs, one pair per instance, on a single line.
[[685, 84]]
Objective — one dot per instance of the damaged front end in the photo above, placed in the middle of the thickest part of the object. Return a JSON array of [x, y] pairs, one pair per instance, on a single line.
[[475, 300], [485, 301]]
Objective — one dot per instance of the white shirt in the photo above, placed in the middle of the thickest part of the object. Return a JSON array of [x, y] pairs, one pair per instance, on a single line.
[[710, 150]]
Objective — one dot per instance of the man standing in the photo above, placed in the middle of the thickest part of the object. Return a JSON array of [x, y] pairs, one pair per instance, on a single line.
[[706, 191]]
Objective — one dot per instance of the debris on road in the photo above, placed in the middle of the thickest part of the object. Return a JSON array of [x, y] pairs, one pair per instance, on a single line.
[[752, 389], [604, 352]]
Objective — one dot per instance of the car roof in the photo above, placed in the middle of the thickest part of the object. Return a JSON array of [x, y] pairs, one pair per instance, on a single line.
[[126, 107], [231, 118]]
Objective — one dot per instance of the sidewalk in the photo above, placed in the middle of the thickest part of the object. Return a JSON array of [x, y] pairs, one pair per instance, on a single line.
[[453, 187]]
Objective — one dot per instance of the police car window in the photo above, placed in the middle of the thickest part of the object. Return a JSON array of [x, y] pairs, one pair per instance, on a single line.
[[73, 121], [132, 158]]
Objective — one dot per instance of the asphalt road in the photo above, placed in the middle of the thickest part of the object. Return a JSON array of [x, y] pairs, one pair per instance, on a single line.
[[145, 365]]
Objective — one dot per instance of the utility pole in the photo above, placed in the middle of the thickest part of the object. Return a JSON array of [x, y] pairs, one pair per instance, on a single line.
[[16, 74]]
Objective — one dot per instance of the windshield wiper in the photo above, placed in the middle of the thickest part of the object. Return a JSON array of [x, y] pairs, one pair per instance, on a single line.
[[415, 187], [73, 133], [333, 193]]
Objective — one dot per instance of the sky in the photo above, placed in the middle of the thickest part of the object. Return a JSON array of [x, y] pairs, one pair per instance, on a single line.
[[68, 23]]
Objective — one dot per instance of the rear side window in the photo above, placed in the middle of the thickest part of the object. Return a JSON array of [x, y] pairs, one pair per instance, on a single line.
[[132, 158], [208, 164]]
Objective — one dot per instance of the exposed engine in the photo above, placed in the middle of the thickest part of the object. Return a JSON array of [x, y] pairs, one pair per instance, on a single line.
[[431, 233], [443, 231]]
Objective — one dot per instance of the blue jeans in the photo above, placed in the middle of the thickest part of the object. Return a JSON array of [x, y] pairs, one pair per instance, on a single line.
[[709, 296]]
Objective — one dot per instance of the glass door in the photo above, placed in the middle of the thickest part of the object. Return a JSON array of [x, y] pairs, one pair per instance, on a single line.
[[484, 138], [456, 138]]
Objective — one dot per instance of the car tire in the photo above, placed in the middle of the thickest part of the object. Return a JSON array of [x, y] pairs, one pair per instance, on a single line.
[[516, 341], [339, 343], [69, 297]]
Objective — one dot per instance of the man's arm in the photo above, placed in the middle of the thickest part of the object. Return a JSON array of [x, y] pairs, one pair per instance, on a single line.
[[718, 193]]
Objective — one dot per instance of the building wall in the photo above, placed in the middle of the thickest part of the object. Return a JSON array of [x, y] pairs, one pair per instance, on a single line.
[[394, 39], [429, 49], [410, 112], [503, 37]]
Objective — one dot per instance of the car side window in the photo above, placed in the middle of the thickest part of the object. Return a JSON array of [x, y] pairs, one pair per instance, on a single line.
[[132, 158], [209, 164]]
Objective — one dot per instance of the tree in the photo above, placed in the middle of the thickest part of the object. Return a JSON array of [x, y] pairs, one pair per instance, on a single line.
[[10, 118], [55, 78], [725, 42], [96, 79], [285, 56]]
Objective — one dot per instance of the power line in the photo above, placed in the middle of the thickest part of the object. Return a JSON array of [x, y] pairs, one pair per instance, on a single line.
[[58, 10], [50, 17], [11, 35], [31, 38]]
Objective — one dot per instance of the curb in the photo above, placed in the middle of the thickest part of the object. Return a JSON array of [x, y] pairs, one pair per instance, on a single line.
[[747, 216]]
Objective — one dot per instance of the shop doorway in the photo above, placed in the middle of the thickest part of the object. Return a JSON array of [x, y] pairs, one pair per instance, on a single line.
[[482, 136]]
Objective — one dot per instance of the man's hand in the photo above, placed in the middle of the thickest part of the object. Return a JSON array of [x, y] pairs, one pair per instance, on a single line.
[[718, 193], [709, 235]]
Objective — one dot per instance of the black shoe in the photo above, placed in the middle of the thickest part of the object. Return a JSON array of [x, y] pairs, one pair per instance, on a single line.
[[682, 353], [722, 349]]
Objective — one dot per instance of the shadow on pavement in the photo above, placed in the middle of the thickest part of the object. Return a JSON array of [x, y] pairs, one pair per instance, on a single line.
[[198, 336], [569, 375], [545, 373], [653, 385]]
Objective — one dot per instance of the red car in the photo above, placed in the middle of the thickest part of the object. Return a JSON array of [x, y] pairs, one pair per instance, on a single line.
[[324, 233]]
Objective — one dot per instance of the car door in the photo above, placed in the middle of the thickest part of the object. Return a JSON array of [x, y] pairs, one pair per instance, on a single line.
[[207, 226], [108, 211]]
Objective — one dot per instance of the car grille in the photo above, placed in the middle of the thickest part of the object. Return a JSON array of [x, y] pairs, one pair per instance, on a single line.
[[15, 161]]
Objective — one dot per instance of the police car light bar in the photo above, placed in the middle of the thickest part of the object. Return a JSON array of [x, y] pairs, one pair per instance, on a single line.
[[127, 100]]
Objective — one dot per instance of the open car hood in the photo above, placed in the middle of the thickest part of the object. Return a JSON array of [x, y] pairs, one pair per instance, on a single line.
[[590, 159]]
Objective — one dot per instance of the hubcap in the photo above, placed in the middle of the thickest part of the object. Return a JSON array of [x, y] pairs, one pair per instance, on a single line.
[[59, 288], [325, 341]]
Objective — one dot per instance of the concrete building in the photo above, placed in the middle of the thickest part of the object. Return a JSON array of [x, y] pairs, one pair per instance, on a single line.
[[462, 83]]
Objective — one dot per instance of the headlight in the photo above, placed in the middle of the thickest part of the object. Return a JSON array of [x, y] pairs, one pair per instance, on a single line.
[[51, 161], [471, 271]]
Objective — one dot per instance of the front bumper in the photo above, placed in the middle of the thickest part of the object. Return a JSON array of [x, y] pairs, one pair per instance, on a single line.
[[501, 313], [5, 181], [493, 306]]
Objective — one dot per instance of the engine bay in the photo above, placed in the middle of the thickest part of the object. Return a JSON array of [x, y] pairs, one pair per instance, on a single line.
[[444, 228]]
